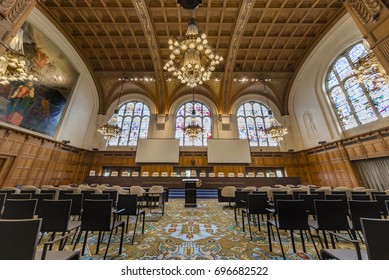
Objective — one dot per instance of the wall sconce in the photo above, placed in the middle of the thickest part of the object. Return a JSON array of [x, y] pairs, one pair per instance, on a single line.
[[65, 142], [161, 120], [322, 142], [225, 119]]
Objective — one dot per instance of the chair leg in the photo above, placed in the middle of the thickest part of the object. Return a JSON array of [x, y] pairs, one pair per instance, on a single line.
[[302, 241], [143, 222], [77, 240], [314, 244], [325, 238], [84, 245], [121, 241], [133, 236], [268, 237], [109, 241], [98, 243], [248, 222], [259, 224], [292, 238], [318, 235], [40, 238], [282, 248], [243, 221], [332, 241], [236, 221], [128, 219]]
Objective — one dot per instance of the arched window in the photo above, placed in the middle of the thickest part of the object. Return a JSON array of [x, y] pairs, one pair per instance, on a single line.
[[355, 102], [133, 118], [253, 119], [203, 118]]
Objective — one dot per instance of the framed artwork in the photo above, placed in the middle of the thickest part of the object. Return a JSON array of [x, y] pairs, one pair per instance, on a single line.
[[36, 82]]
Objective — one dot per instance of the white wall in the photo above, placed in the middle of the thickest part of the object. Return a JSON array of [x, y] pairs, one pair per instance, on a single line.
[[307, 92], [78, 122]]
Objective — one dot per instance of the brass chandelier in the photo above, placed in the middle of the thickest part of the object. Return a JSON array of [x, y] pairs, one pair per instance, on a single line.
[[111, 129], [192, 59], [193, 130], [275, 131]]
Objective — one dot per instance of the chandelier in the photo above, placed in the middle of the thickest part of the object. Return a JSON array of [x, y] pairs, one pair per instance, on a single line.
[[192, 60], [367, 69], [193, 130], [275, 131], [111, 129]]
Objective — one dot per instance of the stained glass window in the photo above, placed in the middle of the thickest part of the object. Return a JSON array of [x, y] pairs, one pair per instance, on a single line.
[[355, 103], [253, 119], [203, 118], [134, 119]]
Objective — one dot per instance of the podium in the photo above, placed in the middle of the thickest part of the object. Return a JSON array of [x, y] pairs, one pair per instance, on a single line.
[[190, 192]]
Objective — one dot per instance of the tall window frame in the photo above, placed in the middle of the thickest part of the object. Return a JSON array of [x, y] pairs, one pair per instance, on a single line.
[[134, 120], [355, 103], [183, 118], [253, 120]]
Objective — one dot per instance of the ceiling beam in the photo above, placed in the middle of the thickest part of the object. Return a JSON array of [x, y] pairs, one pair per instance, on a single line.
[[149, 33]]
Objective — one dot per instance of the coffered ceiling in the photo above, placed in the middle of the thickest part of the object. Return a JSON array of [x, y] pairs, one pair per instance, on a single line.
[[270, 37]]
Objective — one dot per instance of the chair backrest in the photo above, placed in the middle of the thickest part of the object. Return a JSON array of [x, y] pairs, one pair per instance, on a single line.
[[280, 196], [296, 194], [164, 174], [112, 194], [292, 214], [331, 215], [155, 174], [76, 199], [381, 199], [363, 209], [30, 191], [360, 196], [309, 200], [96, 215], [260, 174], [220, 174], [211, 174], [128, 202], [40, 197], [257, 203], [62, 193], [145, 174], [19, 209], [249, 189], [250, 174], [156, 189], [240, 174], [98, 196], [135, 174], [373, 194], [203, 174], [231, 174], [228, 191], [138, 190], [173, 174], [55, 215], [376, 232], [88, 194], [19, 238], [2, 200], [240, 199], [19, 196]]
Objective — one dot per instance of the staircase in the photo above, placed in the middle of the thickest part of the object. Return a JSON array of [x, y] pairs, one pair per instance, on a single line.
[[200, 194]]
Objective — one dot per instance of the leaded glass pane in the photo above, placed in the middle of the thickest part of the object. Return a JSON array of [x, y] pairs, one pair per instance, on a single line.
[[356, 52], [132, 128], [332, 80]]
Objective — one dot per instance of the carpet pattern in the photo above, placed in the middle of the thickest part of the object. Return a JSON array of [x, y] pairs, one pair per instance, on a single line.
[[207, 232]]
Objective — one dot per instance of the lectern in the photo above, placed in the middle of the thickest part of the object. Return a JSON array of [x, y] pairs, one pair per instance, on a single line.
[[190, 192]]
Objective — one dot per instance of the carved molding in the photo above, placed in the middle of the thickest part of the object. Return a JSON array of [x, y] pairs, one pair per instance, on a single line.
[[366, 10], [11, 10]]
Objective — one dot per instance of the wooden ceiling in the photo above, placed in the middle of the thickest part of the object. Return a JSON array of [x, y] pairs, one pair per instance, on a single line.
[[270, 37]]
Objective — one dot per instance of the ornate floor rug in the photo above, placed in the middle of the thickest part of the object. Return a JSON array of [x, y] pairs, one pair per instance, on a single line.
[[207, 232]]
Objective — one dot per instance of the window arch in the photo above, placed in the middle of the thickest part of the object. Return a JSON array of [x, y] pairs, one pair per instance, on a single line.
[[355, 102], [134, 119], [184, 117], [253, 119]]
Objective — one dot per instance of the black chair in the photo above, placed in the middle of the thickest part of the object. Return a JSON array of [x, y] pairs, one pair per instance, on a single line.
[[113, 194], [340, 196], [32, 192], [296, 195], [363, 209], [276, 197], [256, 204], [96, 216], [381, 203], [97, 196], [358, 196], [55, 216], [375, 232], [128, 206], [40, 197], [54, 192], [19, 196], [76, 199], [309, 201], [2, 200], [18, 241], [19, 209], [373, 194], [330, 215], [6, 192], [291, 216], [240, 202], [64, 192]]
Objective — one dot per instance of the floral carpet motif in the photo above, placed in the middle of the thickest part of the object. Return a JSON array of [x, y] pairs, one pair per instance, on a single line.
[[206, 232]]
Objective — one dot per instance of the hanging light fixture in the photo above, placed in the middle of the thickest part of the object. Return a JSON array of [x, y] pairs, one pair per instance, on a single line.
[[192, 59], [193, 130], [111, 129], [275, 131]]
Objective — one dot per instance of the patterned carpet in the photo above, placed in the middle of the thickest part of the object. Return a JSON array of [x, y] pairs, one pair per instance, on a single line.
[[207, 232]]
